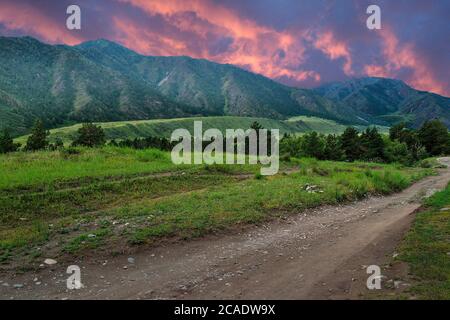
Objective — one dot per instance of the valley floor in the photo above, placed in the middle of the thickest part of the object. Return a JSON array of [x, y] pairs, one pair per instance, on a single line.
[[319, 253]]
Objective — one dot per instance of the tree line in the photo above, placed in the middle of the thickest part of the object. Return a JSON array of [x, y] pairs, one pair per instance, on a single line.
[[89, 135], [403, 145]]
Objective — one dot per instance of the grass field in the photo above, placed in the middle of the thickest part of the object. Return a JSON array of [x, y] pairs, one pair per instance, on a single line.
[[54, 204], [164, 127], [426, 249], [48, 169], [327, 126]]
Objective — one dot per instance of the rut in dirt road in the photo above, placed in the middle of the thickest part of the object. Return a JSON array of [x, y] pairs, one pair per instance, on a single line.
[[320, 253]]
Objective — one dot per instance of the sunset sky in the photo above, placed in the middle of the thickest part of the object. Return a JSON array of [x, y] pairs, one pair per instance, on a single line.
[[298, 42]]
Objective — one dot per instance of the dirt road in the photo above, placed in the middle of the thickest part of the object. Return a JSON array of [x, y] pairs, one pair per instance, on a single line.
[[320, 253]]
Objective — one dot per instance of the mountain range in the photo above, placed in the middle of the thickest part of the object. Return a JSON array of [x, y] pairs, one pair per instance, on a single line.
[[103, 81]]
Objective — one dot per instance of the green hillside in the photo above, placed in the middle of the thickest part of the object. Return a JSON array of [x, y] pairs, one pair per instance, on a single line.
[[326, 126], [164, 127], [101, 81], [388, 100]]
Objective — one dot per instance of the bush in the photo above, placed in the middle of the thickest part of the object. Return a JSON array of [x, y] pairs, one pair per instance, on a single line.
[[433, 135], [7, 144], [90, 135], [65, 153], [38, 138]]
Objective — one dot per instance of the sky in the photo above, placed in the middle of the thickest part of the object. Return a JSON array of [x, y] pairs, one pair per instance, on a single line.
[[302, 43]]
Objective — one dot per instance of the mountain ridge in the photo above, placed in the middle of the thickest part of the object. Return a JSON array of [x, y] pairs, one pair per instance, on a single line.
[[384, 98], [101, 80]]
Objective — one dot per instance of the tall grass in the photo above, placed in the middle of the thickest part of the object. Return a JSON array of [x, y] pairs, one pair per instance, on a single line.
[[72, 191], [21, 170], [426, 249]]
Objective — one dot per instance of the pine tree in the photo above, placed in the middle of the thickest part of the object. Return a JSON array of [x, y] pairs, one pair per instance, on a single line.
[[433, 135], [350, 144], [313, 145], [332, 150], [395, 132], [7, 143], [90, 135], [372, 145], [38, 138], [256, 126]]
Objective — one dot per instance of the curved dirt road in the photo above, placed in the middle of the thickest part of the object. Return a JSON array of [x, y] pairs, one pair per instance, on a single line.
[[320, 253]]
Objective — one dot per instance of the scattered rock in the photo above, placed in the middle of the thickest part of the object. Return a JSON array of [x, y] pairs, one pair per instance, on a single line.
[[91, 235], [395, 255], [310, 188], [131, 260], [445, 209], [397, 284], [50, 262], [18, 285], [125, 267]]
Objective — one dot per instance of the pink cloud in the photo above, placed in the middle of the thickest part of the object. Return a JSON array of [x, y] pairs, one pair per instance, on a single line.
[[398, 56], [334, 49], [17, 16], [211, 30], [254, 46]]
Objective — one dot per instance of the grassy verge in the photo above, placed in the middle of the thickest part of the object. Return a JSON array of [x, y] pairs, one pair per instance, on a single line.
[[426, 249], [259, 199]]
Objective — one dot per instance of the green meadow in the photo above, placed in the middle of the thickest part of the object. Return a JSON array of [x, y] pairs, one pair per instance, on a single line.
[[74, 201], [164, 127]]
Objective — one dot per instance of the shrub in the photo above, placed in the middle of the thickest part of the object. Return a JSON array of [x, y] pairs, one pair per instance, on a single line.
[[90, 135], [38, 138], [65, 153], [7, 144]]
